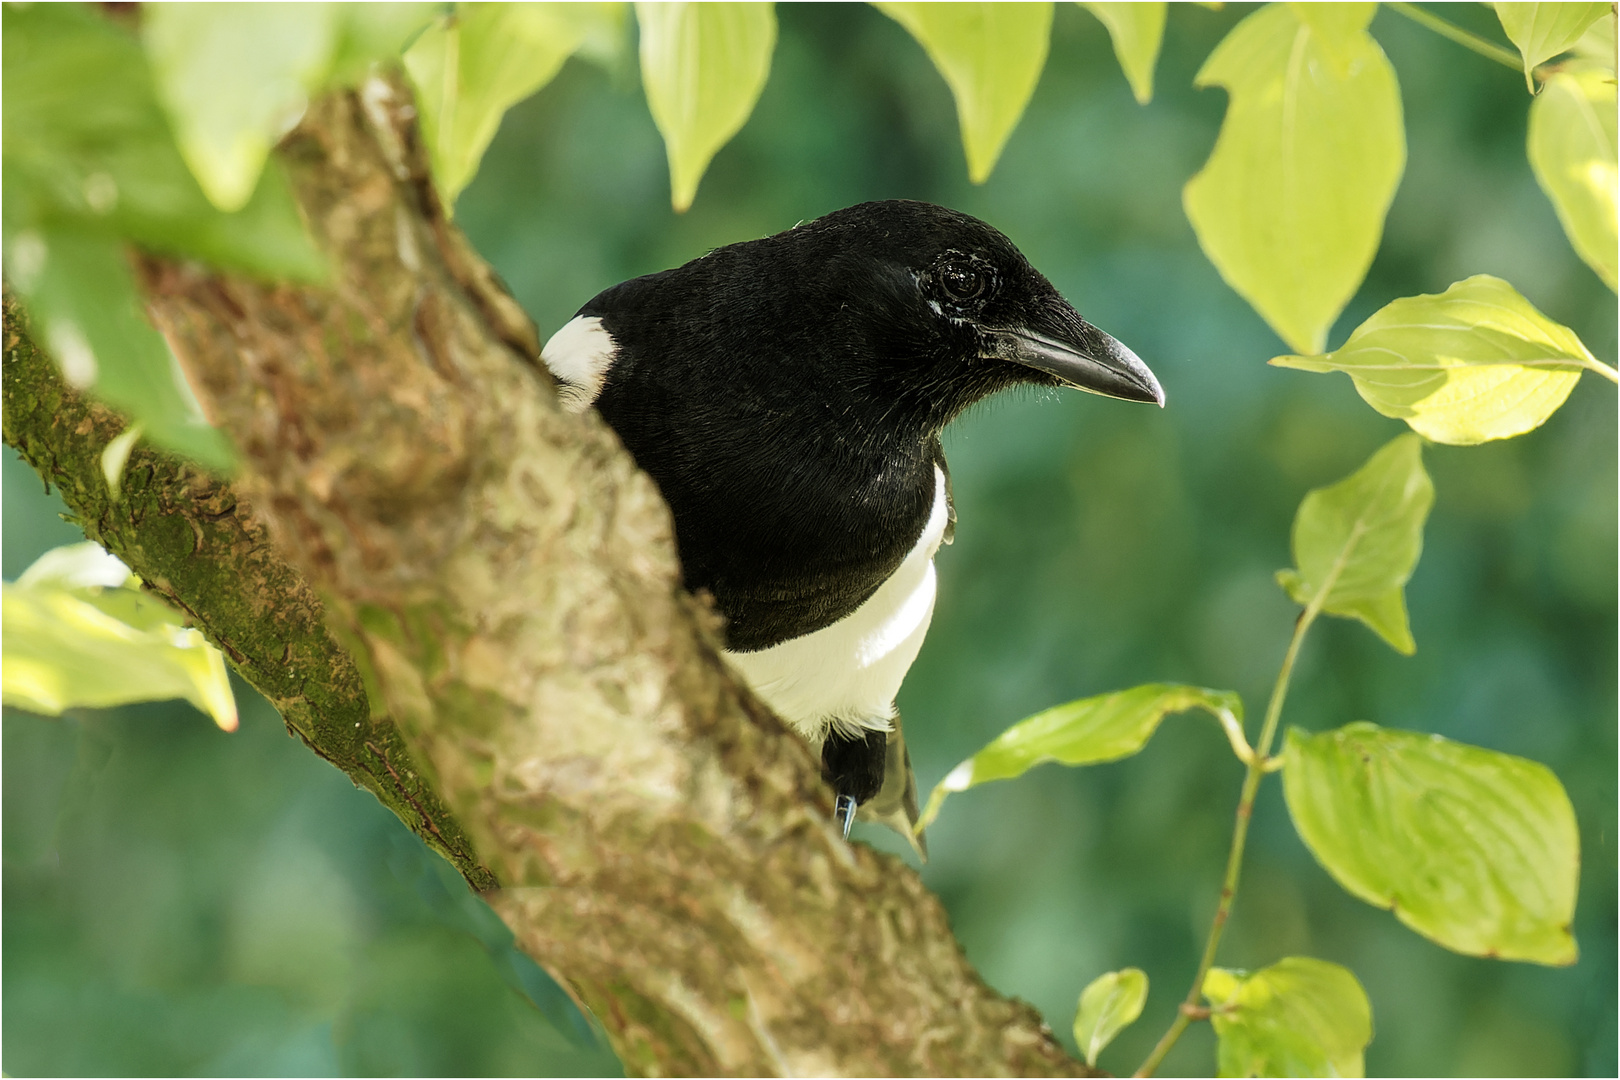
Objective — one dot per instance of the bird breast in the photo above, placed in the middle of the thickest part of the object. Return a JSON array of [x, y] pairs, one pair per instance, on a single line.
[[847, 674]]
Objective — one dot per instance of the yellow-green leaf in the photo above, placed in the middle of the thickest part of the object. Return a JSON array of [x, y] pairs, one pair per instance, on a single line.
[[78, 632], [1299, 1017], [991, 56], [77, 566], [1108, 1006], [1137, 31], [233, 78], [373, 31], [1338, 27], [1356, 542], [473, 65], [703, 67], [1572, 150], [115, 455], [1476, 362], [1291, 204], [1084, 732], [1597, 45], [1542, 31], [1473, 849]]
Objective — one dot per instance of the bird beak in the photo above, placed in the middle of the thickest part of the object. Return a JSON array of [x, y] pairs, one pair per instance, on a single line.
[[1066, 346]]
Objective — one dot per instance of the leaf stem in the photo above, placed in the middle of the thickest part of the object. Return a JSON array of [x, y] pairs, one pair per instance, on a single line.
[[1258, 765], [1603, 369], [1466, 39]]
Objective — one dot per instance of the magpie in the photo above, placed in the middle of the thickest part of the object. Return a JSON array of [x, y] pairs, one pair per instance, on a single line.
[[787, 395]]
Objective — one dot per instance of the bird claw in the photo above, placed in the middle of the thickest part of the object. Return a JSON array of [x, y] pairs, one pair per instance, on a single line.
[[844, 813]]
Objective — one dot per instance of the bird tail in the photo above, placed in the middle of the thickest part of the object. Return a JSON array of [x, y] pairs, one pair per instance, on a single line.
[[895, 804]]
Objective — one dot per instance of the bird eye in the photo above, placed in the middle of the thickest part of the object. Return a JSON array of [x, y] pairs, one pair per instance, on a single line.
[[961, 281]]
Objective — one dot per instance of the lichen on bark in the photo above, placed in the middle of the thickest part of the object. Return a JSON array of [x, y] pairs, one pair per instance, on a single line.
[[501, 583]]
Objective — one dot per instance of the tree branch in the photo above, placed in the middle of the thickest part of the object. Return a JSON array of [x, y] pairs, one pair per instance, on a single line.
[[505, 584]]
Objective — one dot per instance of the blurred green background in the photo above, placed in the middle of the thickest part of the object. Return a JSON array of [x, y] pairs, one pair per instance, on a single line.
[[182, 901]]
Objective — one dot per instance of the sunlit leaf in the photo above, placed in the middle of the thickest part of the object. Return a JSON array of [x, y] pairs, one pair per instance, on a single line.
[[470, 67], [233, 78], [1339, 27], [1356, 542], [1476, 362], [1290, 206], [1108, 1006], [1597, 44], [1299, 1017], [1542, 31], [1473, 849], [80, 292], [115, 455], [1572, 150], [77, 566], [79, 633], [1137, 31], [703, 67], [85, 139], [1084, 732], [991, 56]]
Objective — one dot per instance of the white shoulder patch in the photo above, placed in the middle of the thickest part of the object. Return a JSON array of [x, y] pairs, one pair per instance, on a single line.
[[579, 356]]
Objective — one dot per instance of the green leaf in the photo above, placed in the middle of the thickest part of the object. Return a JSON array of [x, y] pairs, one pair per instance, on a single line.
[[86, 143], [470, 67], [370, 32], [234, 78], [1356, 542], [1084, 732], [115, 455], [1290, 206], [1597, 45], [80, 291], [1542, 31], [1137, 31], [77, 566], [991, 56], [703, 67], [1572, 150], [1477, 362], [1108, 1006], [1473, 849], [1299, 1017], [78, 632], [1338, 27]]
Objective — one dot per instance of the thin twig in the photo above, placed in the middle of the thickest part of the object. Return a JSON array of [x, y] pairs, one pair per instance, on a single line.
[[1258, 765], [1468, 40]]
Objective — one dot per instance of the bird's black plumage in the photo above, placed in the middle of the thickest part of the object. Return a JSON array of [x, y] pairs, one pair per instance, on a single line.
[[788, 394]]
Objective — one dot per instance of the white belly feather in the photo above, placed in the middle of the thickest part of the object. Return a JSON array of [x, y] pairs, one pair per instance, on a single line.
[[847, 674]]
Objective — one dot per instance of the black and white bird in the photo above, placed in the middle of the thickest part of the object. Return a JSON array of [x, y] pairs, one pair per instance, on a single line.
[[787, 395]]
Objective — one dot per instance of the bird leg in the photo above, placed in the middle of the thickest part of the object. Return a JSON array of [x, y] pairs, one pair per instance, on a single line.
[[854, 765]]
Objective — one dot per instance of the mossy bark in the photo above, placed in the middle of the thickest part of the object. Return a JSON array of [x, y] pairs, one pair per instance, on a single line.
[[504, 586]]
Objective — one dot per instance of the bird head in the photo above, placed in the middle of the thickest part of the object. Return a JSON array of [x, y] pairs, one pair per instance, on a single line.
[[943, 310]]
